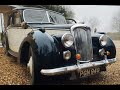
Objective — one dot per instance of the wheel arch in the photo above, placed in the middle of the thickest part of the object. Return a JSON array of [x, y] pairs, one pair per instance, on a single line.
[[43, 47], [23, 55], [110, 46]]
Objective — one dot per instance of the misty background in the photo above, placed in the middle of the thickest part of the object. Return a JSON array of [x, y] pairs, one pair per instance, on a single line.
[[102, 16]]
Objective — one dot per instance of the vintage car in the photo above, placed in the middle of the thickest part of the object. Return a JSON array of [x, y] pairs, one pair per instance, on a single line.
[[52, 49]]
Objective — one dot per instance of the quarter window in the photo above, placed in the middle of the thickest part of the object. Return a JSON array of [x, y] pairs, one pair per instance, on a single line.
[[17, 19], [14, 20]]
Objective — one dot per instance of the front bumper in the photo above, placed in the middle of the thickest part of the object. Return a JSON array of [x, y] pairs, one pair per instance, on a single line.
[[62, 70]]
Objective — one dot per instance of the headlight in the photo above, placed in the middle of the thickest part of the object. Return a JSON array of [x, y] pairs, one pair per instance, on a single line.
[[67, 40], [103, 40]]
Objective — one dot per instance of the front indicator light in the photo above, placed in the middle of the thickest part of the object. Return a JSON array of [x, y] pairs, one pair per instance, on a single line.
[[78, 56]]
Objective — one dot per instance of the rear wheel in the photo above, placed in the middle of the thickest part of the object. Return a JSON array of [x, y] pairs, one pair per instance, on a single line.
[[6, 46]]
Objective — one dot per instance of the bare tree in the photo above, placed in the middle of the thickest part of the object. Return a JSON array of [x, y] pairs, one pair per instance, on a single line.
[[116, 21], [93, 22]]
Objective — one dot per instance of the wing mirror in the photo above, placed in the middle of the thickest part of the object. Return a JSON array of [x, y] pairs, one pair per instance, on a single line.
[[24, 25], [70, 21]]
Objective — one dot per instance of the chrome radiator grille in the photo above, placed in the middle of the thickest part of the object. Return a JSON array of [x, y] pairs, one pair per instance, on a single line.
[[83, 43]]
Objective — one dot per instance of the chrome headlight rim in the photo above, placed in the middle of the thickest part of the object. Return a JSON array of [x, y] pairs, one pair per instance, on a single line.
[[66, 38], [66, 55], [103, 40]]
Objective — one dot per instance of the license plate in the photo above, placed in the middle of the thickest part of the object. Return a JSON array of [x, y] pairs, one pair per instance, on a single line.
[[89, 71]]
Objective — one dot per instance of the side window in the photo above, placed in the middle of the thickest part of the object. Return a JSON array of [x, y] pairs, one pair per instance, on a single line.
[[16, 19]]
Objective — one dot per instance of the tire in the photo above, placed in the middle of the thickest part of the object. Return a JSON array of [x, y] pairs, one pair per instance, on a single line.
[[34, 70], [6, 46]]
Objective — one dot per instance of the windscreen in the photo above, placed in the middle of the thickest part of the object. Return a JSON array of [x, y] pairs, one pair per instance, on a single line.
[[42, 16], [35, 16]]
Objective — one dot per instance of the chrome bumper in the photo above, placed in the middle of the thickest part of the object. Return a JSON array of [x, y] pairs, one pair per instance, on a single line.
[[62, 70]]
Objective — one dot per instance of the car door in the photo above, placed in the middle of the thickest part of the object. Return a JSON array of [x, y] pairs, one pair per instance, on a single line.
[[15, 32]]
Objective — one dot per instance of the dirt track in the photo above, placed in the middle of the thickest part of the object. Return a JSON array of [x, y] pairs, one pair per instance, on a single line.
[[12, 73]]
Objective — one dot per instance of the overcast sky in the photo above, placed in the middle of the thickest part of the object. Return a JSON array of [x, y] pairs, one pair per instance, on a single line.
[[104, 13]]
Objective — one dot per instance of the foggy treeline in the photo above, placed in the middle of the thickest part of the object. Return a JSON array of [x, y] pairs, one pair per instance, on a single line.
[[115, 24], [93, 22]]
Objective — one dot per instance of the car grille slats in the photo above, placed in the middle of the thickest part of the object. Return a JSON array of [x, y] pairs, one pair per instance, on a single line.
[[83, 43]]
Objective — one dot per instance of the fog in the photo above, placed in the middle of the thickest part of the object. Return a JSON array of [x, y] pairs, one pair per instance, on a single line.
[[103, 13]]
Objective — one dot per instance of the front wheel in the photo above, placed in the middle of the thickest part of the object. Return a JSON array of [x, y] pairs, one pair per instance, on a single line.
[[36, 77], [34, 70]]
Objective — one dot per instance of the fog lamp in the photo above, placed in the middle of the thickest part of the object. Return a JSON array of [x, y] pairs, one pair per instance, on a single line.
[[78, 56], [67, 55]]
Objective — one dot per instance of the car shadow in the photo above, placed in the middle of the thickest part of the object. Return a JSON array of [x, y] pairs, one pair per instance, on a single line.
[[89, 80]]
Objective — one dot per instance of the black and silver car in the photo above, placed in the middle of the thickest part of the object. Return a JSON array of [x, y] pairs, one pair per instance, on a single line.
[[52, 49]]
